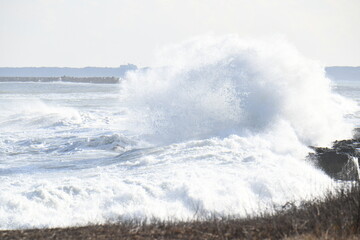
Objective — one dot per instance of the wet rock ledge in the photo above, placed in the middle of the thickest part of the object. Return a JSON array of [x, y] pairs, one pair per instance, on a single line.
[[341, 161]]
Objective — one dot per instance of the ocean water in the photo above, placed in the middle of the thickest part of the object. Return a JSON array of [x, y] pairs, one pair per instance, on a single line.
[[222, 128]]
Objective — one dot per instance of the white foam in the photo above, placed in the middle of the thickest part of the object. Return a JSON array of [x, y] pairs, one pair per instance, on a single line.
[[33, 112], [227, 124], [216, 86], [231, 176]]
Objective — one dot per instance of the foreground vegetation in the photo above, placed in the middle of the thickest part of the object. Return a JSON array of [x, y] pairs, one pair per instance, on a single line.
[[335, 217]]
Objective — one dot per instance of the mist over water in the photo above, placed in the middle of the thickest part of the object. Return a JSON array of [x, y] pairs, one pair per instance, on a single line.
[[221, 86], [222, 128]]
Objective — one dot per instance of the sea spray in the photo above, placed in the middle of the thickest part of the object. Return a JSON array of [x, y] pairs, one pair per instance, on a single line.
[[221, 128], [25, 113], [216, 86]]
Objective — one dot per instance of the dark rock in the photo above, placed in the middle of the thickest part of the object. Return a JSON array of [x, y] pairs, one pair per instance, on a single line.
[[341, 161]]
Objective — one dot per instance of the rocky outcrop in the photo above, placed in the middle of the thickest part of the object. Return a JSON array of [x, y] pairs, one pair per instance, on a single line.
[[341, 161]]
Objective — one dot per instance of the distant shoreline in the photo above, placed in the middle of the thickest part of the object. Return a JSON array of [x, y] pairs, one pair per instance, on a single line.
[[65, 71], [100, 80], [49, 74]]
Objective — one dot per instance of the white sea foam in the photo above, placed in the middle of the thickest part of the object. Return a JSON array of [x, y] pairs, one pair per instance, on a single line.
[[223, 128], [25, 113], [217, 86]]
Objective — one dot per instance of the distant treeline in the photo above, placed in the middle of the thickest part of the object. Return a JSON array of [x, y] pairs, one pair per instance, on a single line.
[[61, 79], [46, 72]]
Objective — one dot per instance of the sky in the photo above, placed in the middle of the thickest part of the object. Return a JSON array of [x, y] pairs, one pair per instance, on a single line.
[[109, 33]]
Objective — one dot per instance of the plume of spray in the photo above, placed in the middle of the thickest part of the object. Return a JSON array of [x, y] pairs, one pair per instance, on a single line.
[[230, 119], [217, 86]]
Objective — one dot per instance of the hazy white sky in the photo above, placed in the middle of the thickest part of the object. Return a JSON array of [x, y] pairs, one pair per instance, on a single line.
[[78, 33]]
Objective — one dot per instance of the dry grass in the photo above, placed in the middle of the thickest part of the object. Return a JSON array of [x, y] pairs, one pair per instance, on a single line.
[[335, 217]]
